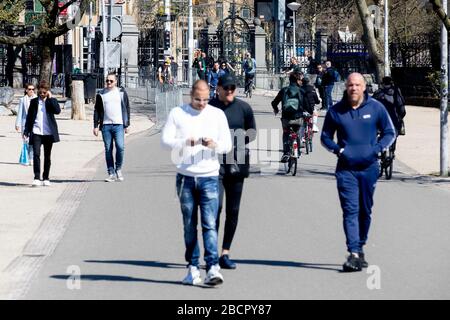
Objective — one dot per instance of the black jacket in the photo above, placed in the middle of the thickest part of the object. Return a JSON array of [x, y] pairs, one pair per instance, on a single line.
[[99, 110], [52, 108], [311, 96], [394, 103], [241, 122]]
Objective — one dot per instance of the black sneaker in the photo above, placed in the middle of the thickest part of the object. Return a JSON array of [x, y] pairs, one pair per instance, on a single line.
[[352, 264], [364, 263], [226, 263]]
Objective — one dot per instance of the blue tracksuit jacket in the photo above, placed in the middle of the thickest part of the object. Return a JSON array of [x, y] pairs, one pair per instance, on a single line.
[[357, 132]]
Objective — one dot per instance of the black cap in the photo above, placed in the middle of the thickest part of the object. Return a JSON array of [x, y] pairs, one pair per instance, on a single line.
[[227, 80]]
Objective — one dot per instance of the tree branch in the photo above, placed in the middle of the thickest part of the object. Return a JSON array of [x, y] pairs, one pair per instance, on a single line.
[[439, 10]]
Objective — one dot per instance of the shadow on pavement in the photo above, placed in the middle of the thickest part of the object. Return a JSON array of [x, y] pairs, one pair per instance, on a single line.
[[12, 184], [155, 264], [293, 264], [100, 277], [111, 278]]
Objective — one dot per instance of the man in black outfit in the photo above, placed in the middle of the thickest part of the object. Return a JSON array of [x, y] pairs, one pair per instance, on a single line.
[[235, 167]]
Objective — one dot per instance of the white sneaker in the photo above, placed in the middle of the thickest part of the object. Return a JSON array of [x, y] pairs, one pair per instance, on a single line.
[[214, 277], [47, 183], [315, 128], [36, 183], [193, 277], [119, 175], [111, 178]]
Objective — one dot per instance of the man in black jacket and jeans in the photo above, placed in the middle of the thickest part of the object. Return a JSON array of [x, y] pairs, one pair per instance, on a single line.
[[41, 128], [235, 167]]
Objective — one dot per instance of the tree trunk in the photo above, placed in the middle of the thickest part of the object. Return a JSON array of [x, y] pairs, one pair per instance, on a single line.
[[375, 53], [48, 50], [78, 110]]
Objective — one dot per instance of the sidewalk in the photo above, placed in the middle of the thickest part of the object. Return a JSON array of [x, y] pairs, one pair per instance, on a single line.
[[23, 207]]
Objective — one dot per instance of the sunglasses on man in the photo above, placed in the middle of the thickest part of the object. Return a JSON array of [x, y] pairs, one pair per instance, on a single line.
[[229, 88]]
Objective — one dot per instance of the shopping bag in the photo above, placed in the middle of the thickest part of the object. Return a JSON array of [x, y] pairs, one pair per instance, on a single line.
[[24, 154]]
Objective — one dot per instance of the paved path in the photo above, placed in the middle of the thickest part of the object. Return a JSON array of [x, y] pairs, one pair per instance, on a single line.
[[126, 238]]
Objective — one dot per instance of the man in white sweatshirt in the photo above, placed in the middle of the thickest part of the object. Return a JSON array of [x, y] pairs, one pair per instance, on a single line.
[[197, 133]]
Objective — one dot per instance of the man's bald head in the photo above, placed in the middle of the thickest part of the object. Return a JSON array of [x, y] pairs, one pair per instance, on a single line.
[[355, 86], [200, 94]]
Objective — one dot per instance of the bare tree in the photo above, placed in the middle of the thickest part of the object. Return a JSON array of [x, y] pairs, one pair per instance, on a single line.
[[48, 31]]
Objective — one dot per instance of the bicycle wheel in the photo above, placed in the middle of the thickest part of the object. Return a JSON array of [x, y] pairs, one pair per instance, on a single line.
[[293, 165], [382, 164], [390, 166]]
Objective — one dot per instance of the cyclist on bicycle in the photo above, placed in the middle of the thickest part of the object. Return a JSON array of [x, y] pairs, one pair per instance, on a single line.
[[293, 106], [312, 99], [213, 79], [249, 67], [391, 97]]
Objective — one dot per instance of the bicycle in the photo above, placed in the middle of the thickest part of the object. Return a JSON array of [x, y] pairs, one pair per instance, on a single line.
[[308, 132], [294, 150], [249, 86], [387, 162]]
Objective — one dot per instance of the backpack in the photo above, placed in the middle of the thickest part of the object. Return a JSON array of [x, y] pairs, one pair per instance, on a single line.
[[291, 103]]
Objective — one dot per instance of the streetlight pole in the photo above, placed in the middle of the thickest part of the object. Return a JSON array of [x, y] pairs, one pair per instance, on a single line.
[[387, 69], [444, 98], [190, 43], [105, 46], [294, 6], [89, 63]]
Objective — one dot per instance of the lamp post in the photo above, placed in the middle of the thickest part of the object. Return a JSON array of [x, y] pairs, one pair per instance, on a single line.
[[294, 6], [387, 67]]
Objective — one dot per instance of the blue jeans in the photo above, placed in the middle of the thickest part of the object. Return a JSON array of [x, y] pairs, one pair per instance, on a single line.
[[356, 190], [193, 193], [116, 133], [329, 96]]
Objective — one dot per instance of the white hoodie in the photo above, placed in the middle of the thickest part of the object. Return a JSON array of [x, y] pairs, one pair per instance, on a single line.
[[185, 122]]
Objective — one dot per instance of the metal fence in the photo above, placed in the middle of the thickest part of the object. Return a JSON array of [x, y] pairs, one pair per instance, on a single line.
[[165, 101], [278, 55]]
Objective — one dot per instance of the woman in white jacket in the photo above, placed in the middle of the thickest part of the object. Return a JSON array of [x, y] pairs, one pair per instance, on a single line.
[[22, 112]]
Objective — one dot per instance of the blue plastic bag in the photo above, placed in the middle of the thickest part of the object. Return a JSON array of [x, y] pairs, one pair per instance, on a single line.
[[24, 154]]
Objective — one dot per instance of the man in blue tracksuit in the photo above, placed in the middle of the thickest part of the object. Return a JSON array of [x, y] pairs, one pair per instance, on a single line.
[[357, 119]]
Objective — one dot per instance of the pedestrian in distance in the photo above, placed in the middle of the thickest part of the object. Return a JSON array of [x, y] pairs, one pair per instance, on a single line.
[[293, 104], [112, 118], [235, 166], [202, 66], [364, 129], [213, 78], [249, 67], [328, 80], [319, 85], [197, 133], [22, 111], [165, 76], [42, 130], [226, 67], [173, 70], [294, 67]]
